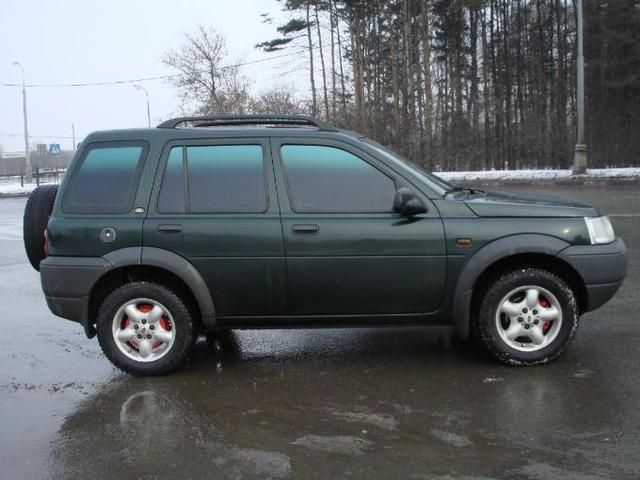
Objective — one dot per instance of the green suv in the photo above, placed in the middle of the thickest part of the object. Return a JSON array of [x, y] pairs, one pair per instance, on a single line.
[[227, 222]]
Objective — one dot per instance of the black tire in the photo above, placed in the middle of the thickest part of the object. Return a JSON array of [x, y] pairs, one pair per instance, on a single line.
[[182, 322], [36, 216], [487, 322]]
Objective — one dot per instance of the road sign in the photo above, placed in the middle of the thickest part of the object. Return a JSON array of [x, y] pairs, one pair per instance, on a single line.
[[54, 148]]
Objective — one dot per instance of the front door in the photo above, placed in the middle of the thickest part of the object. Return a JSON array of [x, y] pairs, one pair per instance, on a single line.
[[215, 204], [347, 252]]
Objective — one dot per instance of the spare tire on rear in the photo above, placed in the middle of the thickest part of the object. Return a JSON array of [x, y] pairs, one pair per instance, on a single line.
[[36, 216]]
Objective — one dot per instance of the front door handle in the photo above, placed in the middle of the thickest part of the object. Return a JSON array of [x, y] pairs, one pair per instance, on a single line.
[[169, 228], [305, 228]]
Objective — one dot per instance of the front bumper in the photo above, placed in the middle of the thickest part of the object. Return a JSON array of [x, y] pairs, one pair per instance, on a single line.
[[67, 282], [602, 268]]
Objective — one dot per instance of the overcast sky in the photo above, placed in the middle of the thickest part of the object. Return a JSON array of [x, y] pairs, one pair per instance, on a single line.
[[74, 41]]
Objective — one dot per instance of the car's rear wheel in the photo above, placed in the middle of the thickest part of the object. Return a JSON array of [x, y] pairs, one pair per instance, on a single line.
[[145, 329], [34, 223], [527, 317]]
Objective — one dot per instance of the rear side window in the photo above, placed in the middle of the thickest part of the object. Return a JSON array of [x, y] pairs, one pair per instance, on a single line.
[[219, 179], [105, 179], [328, 179]]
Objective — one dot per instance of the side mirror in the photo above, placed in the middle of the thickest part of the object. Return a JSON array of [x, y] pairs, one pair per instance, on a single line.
[[407, 203]]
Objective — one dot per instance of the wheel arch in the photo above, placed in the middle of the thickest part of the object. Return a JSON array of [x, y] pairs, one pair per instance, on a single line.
[[510, 252], [154, 265]]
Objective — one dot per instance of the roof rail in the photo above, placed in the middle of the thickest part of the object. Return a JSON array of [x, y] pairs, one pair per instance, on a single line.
[[236, 120]]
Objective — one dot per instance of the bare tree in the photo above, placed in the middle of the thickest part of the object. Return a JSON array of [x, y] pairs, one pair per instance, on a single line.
[[324, 70], [279, 100], [291, 32], [207, 80]]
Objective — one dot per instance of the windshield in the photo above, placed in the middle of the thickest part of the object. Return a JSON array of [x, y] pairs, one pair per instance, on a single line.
[[436, 183]]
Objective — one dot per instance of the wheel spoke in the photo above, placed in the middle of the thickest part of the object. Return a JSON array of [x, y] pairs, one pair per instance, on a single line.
[[534, 320], [532, 297], [536, 335], [162, 335], [155, 314], [514, 331], [549, 314], [126, 335], [132, 312], [144, 348], [143, 329], [510, 308]]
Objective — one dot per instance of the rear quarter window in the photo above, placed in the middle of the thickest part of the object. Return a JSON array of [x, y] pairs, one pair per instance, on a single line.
[[105, 179]]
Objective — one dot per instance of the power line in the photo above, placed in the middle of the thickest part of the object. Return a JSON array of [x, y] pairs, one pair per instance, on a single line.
[[144, 79], [32, 136]]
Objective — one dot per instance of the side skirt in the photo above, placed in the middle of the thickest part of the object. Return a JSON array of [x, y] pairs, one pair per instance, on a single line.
[[331, 321]]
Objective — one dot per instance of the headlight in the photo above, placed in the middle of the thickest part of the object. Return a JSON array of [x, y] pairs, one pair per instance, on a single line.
[[600, 230]]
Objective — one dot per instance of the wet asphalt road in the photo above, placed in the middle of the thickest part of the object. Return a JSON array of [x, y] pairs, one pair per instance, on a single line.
[[358, 403]]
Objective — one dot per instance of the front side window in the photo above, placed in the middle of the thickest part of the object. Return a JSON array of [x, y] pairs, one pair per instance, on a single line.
[[219, 179], [105, 179], [329, 179]]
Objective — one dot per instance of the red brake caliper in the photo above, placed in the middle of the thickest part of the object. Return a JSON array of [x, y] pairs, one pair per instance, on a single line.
[[545, 304], [165, 325]]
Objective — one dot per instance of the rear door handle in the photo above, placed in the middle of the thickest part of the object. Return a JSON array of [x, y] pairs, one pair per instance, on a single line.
[[305, 228], [169, 228]]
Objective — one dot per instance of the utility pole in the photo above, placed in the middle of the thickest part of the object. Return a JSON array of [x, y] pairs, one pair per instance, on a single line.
[[580, 150], [73, 137], [140, 87], [27, 153]]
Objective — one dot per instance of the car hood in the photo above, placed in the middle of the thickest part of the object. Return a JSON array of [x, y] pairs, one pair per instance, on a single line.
[[497, 204]]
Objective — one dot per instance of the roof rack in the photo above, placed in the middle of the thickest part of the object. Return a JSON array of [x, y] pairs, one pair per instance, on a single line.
[[236, 120]]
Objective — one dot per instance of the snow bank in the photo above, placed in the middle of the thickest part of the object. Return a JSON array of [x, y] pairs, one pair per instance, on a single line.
[[522, 175], [15, 189]]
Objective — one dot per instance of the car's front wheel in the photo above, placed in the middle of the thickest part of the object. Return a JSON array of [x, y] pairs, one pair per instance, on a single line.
[[527, 316], [145, 329]]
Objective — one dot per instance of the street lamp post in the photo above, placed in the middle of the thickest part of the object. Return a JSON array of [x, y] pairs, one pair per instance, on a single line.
[[580, 151], [27, 153], [140, 87]]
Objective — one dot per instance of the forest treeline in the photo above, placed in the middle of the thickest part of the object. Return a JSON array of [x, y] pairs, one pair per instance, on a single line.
[[467, 84]]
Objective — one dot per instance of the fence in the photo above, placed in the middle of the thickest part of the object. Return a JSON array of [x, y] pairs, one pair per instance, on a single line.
[[45, 168], [15, 165], [39, 176]]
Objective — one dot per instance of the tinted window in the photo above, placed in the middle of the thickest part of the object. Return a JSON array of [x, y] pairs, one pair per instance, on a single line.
[[328, 179], [226, 178], [172, 198], [105, 180]]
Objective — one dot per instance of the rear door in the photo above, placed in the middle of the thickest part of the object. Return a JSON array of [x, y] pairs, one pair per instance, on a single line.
[[215, 204], [347, 252]]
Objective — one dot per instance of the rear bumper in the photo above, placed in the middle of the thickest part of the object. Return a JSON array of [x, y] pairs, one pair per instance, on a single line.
[[67, 282], [602, 268]]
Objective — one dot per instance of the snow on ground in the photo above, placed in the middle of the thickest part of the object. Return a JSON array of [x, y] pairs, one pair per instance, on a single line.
[[10, 186], [13, 188], [515, 175]]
